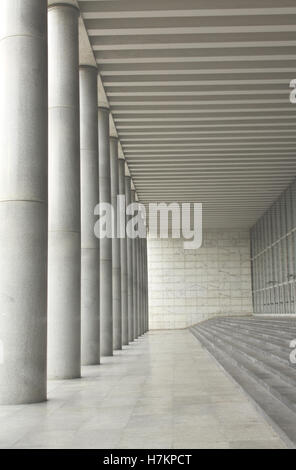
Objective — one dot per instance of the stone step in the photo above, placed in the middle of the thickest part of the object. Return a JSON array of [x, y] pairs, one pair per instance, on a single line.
[[262, 369], [277, 387], [283, 336], [257, 373], [260, 325], [277, 413], [262, 358], [278, 326], [262, 319], [255, 319], [270, 342], [282, 354]]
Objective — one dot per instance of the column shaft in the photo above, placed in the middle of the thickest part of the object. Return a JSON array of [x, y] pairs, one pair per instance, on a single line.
[[143, 286], [139, 267], [146, 325], [116, 259], [142, 289], [23, 200], [64, 248], [123, 260], [90, 247], [135, 275], [106, 305], [130, 270]]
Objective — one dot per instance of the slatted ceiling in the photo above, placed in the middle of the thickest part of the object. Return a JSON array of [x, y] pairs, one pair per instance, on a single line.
[[199, 93]]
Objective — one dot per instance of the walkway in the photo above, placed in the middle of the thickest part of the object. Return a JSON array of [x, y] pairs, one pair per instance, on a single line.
[[164, 391]]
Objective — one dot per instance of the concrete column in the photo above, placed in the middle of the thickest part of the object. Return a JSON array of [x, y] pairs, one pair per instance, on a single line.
[[139, 287], [135, 275], [143, 286], [130, 271], [123, 260], [136, 287], [142, 289], [90, 247], [23, 200], [116, 259], [146, 286], [146, 327], [64, 244], [106, 304]]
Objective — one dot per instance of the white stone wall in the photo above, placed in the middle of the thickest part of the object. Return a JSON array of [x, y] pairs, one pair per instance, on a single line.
[[189, 286]]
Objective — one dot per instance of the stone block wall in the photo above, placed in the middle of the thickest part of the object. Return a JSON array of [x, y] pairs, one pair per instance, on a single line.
[[189, 286]]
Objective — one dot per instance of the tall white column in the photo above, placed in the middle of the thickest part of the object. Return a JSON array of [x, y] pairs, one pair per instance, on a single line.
[[145, 286], [139, 267], [116, 259], [142, 288], [23, 200], [130, 268], [64, 247], [123, 260], [90, 247], [135, 275], [106, 304]]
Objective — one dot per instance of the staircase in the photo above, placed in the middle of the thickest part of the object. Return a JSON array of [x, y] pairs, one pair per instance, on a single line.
[[256, 353]]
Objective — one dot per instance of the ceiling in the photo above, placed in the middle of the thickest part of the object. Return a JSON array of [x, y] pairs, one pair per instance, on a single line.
[[199, 93]]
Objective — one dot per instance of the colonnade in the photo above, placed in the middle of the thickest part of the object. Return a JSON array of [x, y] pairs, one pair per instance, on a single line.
[[66, 297]]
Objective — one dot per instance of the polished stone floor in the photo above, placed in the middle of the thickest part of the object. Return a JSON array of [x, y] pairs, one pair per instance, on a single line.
[[163, 391]]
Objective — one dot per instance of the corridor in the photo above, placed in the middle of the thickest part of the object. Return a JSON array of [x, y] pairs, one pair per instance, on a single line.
[[147, 225], [162, 391]]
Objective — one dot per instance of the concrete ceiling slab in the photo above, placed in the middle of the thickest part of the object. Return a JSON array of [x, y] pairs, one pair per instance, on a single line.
[[199, 94]]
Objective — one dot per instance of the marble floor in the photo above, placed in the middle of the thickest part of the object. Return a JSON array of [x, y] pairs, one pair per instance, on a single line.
[[163, 391]]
